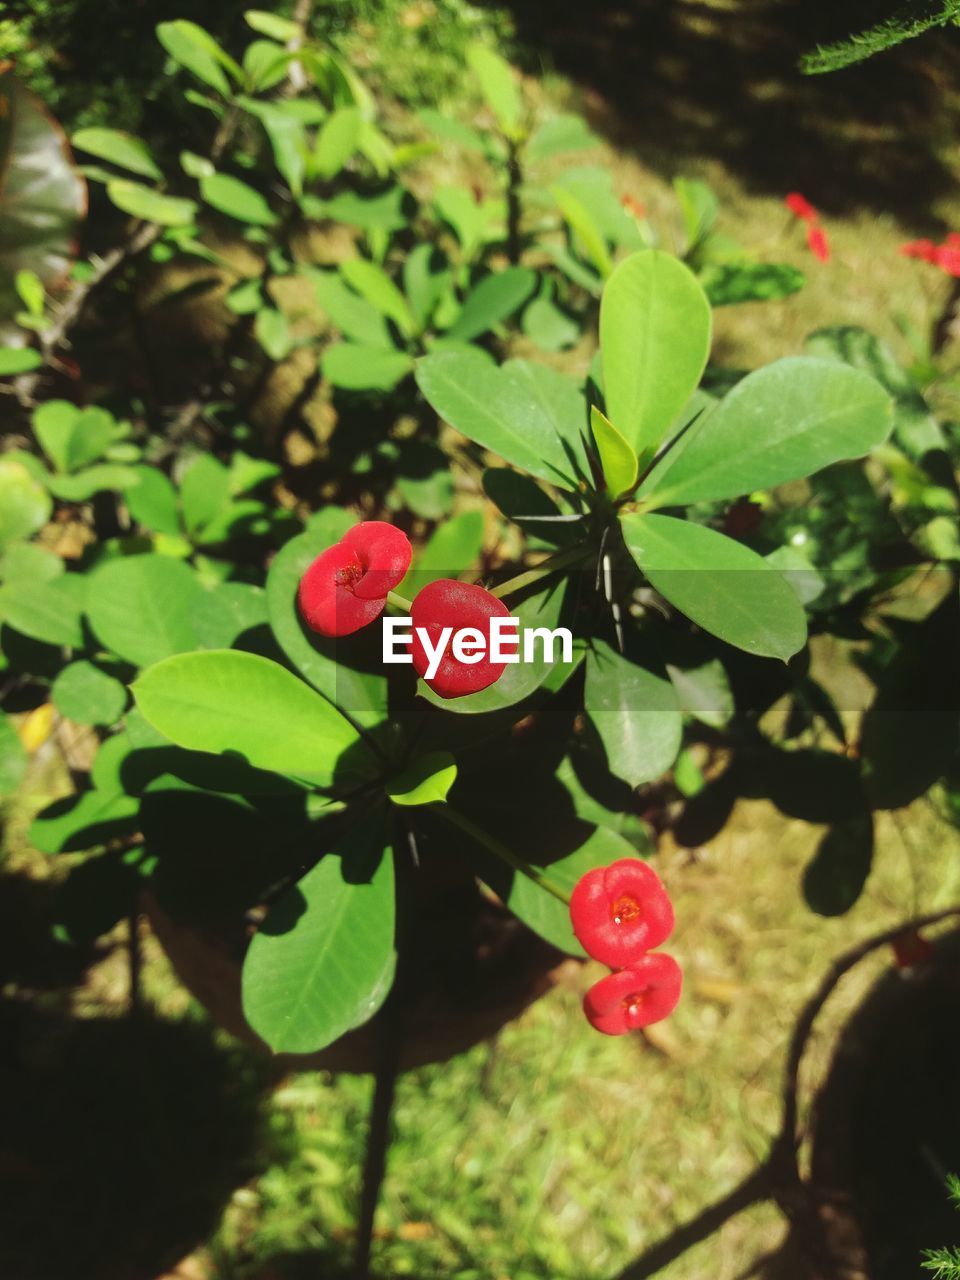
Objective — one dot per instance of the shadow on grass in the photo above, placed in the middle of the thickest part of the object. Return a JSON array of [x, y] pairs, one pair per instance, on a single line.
[[692, 79]]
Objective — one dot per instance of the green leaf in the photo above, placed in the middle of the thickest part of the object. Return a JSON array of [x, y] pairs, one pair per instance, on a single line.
[[204, 492], [222, 614], [727, 284], [360, 368], [88, 695], [521, 411], [473, 223], [618, 461], [82, 486], [719, 584], [151, 206], [30, 290], [374, 285], [703, 692], [337, 140], [498, 86], [583, 225], [426, 280], [561, 134], [47, 611], [636, 714], [426, 780], [548, 326], [25, 505], [265, 64], [351, 314], [153, 503], [655, 338], [30, 563], [272, 331], [362, 693], [140, 607], [228, 701], [544, 913], [322, 962], [72, 437], [781, 423], [699, 207], [83, 822], [17, 360], [493, 300], [13, 757], [197, 51], [272, 25], [121, 149], [237, 199], [453, 548]]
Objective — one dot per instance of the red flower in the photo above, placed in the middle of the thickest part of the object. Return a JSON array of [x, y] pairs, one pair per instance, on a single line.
[[818, 243], [925, 250], [912, 948], [645, 993], [449, 606], [801, 207], [948, 259], [621, 911], [346, 586]]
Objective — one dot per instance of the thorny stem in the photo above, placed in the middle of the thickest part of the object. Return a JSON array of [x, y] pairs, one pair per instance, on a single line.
[[561, 560], [500, 850]]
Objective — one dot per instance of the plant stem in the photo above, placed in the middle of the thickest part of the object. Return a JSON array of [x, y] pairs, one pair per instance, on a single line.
[[398, 602], [561, 560], [500, 850]]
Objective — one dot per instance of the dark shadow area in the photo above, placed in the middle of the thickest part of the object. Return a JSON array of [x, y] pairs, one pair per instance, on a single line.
[[690, 80]]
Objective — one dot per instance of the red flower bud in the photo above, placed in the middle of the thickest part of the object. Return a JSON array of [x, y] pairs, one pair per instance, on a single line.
[[346, 586], [645, 993], [621, 911], [819, 244], [912, 948], [448, 606], [801, 207], [925, 250]]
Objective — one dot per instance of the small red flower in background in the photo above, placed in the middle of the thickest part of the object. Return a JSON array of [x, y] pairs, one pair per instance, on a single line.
[[633, 206], [946, 256], [447, 604], [801, 207], [818, 243], [632, 998], [621, 911], [346, 586], [925, 250], [911, 948]]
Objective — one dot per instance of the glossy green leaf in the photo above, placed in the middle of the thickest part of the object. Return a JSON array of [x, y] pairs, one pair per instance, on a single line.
[[73, 437], [584, 227], [781, 423], [562, 134], [87, 694], [230, 701], [497, 84], [151, 206], [426, 780], [492, 302], [525, 413], [121, 149], [140, 607], [29, 562], [452, 548], [265, 64], [618, 461], [699, 208], [272, 25], [197, 51], [548, 326], [204, 492], [719, 584], [372, 283], [237, 200], [337, 140], [351, 314], [636, 714], [322, 962], [655, 329], [272, 330], [25, 505], [360, 368], [102, 478]]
